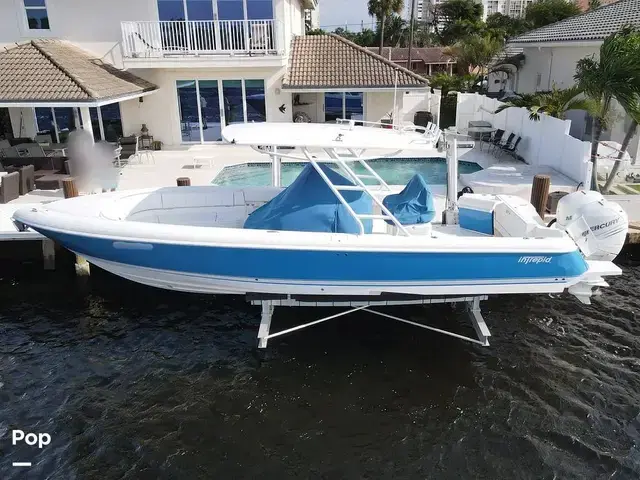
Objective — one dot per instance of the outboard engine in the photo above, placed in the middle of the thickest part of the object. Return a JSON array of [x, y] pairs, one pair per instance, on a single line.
[[597, 225]]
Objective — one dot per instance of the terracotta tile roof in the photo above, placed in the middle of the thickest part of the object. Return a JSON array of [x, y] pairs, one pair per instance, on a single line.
[[424, 54], [595, 24], [331, 61], [58, 71]]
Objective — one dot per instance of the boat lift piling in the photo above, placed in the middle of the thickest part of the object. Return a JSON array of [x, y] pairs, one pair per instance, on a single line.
[[70, 190]]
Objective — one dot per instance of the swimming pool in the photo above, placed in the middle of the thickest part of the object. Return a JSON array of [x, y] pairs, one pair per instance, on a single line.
[[394, 171]]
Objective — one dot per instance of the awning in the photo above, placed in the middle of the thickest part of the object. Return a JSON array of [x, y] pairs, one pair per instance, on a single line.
[[56, 73]]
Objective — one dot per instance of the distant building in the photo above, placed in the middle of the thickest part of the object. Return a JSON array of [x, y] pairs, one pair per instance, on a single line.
[[312, 18], [424, 61], [552, 52]]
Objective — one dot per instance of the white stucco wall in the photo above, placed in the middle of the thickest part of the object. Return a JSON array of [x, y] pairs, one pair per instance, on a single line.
[[554, 65], [379, 104], [557, 66], [94, 25], [160, 110]]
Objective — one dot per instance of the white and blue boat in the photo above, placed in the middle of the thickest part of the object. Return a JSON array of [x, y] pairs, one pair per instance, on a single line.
[[332, 238]]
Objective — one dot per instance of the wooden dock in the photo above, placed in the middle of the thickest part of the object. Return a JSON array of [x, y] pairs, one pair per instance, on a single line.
[[633, 237]]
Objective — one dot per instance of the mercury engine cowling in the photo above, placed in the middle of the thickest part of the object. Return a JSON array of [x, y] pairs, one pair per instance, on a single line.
[[597, 225]]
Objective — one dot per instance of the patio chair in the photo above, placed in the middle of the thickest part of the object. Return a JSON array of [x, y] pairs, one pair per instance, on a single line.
[[43, 139], [27, 179], [497, 138], [507, 138], [512, 147], [9, 187], [129, 147]]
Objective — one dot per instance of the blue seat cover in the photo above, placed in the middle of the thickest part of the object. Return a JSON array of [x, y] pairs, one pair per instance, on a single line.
[[309, 205], [414, 204]]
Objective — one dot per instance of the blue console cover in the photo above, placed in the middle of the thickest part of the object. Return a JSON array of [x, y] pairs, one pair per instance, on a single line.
[[412, 205], [309, 205]]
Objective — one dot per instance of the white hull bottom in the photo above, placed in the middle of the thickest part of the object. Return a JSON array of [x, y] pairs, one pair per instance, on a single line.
[[187, 282], [346, 295]]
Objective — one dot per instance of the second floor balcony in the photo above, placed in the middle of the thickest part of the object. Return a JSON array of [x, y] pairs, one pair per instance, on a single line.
[[151, 43]]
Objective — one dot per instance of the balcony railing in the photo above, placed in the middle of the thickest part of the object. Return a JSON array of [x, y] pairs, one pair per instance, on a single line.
[[201, 37]]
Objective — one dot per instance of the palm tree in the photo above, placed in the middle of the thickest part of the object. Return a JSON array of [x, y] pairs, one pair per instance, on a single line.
[[615, 75], [634, 113], [476, 51], [381, 9], [555, 103], [395, 31]]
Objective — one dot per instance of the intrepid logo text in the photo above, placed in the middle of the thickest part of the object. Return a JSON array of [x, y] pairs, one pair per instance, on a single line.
[[534, 259]]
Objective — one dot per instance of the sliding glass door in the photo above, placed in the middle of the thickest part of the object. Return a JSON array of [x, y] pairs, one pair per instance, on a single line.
[[349, 105], [210, 110], [206, 106]]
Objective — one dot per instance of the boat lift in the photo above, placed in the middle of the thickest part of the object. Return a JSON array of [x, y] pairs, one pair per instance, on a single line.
[[367, 304]]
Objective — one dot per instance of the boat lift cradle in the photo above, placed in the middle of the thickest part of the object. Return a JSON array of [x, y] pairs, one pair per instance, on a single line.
[[365, 304]]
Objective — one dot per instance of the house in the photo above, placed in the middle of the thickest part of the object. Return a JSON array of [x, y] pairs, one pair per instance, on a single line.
[[424, 60], [182, 68], [552, 52]]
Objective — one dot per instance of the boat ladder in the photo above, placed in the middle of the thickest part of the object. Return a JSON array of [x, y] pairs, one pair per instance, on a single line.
[[359, 186]]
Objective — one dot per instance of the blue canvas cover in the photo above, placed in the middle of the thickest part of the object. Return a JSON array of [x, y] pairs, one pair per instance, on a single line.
[[309, 205], [414, 204]]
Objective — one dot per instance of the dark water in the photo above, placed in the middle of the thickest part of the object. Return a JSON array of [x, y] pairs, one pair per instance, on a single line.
[[138, 383]]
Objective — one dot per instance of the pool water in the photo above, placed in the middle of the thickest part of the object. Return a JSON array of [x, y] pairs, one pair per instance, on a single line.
[[394, 171]]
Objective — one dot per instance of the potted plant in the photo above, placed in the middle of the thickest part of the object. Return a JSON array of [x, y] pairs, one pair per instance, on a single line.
[[157, 145]]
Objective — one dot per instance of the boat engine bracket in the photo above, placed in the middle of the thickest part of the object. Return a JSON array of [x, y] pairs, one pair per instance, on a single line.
[[268, 304]]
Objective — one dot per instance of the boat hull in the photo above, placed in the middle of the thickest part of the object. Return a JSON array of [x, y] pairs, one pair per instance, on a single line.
[[242, 269]]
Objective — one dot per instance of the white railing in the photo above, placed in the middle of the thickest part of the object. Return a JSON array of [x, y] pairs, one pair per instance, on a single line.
[[159, 39]]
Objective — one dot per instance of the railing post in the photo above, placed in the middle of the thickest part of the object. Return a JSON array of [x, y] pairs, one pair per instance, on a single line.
[[246, 25], [125, 40], [216, 35]]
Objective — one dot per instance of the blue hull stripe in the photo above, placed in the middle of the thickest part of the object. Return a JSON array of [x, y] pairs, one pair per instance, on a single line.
[[319, 265]]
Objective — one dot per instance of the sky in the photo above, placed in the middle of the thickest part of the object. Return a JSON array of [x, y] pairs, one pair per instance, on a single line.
[[335, 13]]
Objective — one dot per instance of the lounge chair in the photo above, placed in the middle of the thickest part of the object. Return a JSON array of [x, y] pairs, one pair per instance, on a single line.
[[9, 187]]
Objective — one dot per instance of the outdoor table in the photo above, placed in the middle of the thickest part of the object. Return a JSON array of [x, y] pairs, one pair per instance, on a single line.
[[482, 131]]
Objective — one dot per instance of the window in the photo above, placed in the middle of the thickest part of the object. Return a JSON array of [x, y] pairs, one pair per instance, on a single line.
[[57, 121], [111, 122], [348, 105], [37, 17], [207, 106]]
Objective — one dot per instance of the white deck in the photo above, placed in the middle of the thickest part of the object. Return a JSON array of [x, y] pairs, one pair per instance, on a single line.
[[514, 179]]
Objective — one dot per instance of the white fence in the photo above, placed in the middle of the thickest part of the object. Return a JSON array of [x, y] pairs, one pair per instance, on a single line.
[[545, 142], [413, 102], [157, 39]]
